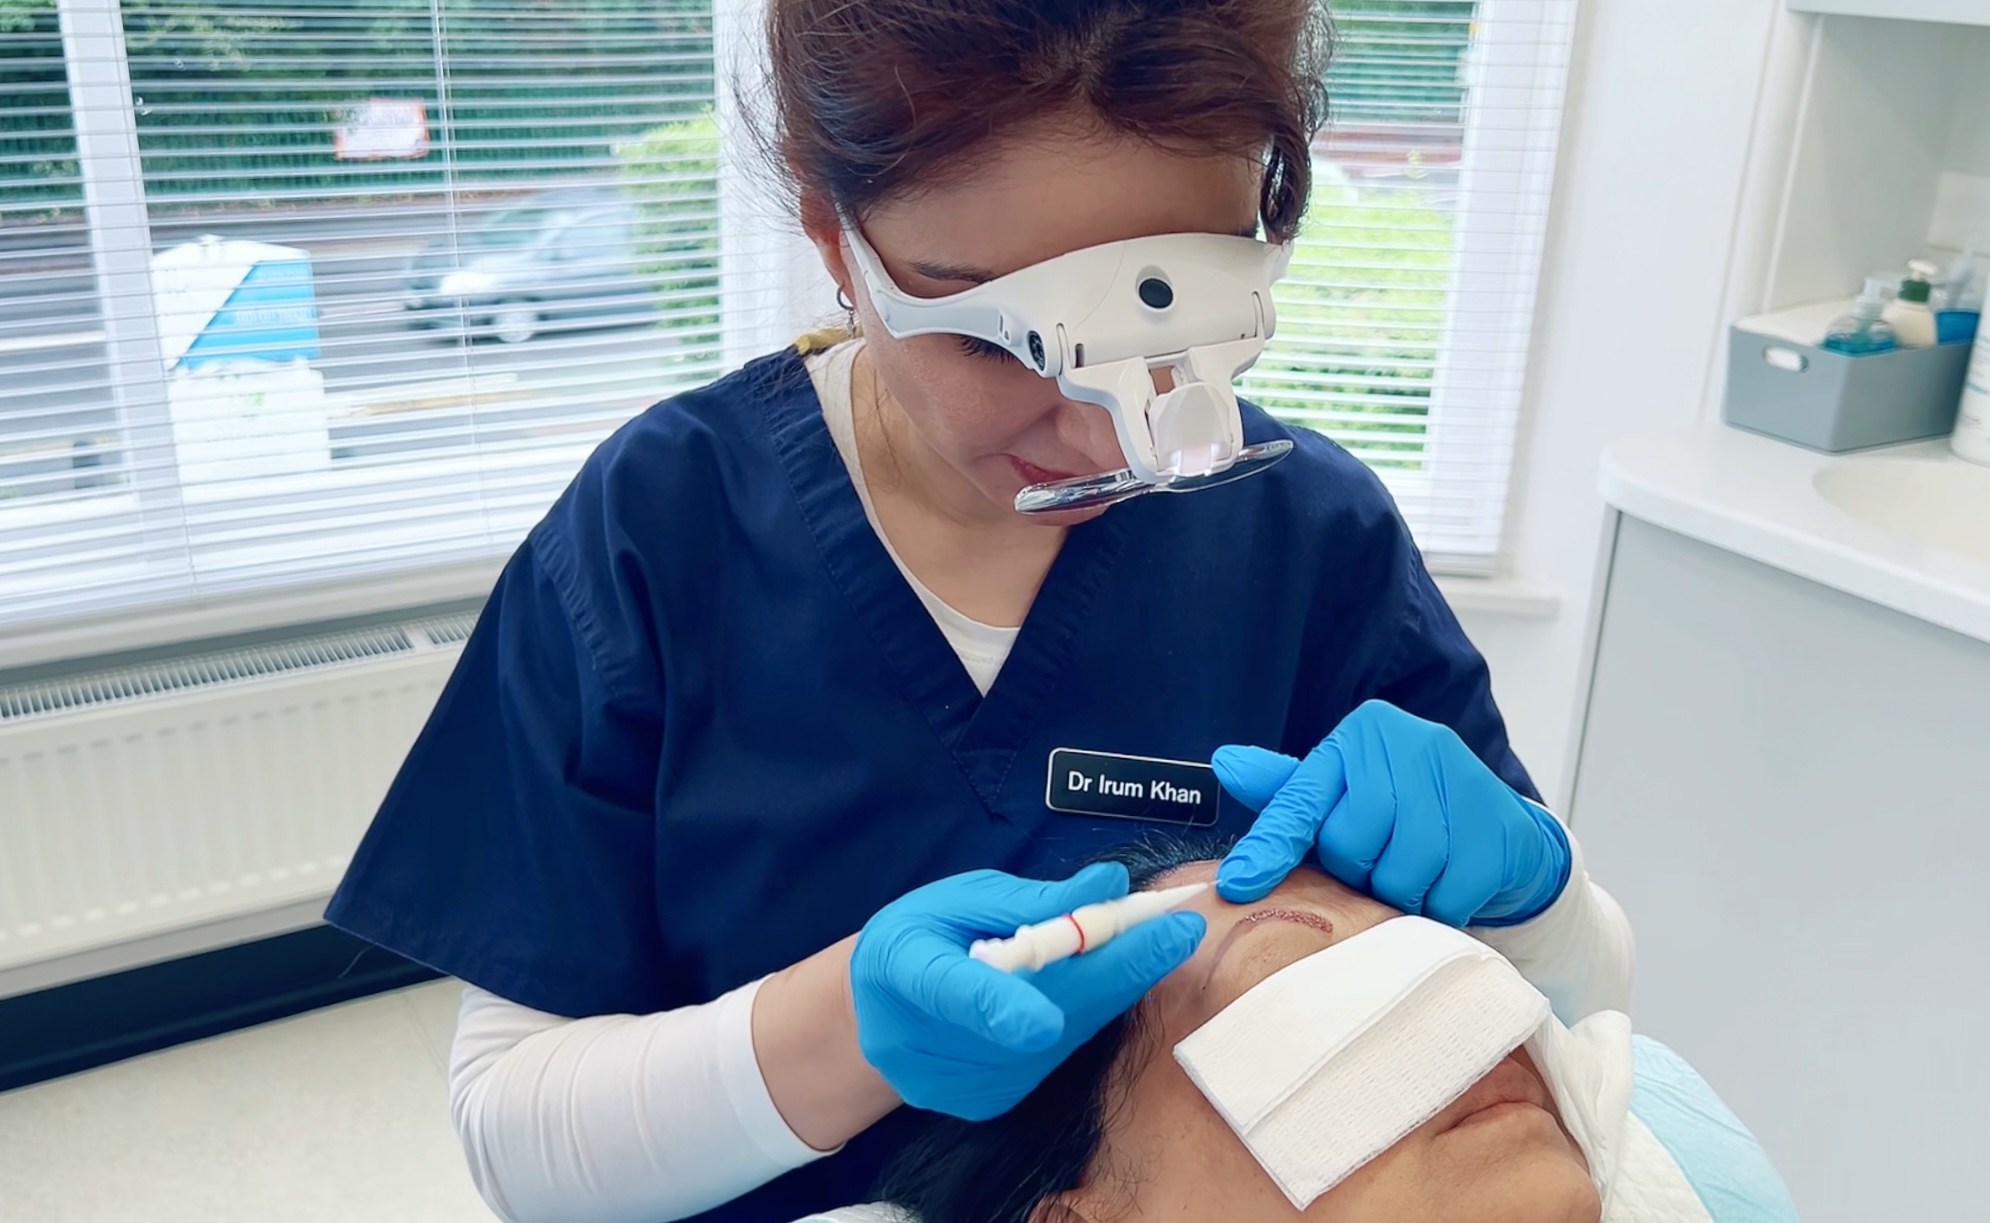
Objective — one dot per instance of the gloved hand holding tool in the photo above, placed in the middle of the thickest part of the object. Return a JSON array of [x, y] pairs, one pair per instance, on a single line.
[[957, 1036]]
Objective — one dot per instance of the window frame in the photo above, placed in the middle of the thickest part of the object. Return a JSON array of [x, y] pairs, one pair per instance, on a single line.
[[1516, 92], [1516, 86]]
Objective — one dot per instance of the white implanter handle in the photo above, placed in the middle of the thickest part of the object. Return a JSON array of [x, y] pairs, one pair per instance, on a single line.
[[1081, 930]]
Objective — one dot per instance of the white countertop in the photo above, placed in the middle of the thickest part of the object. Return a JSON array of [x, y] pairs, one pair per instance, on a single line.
[[1761, 499]]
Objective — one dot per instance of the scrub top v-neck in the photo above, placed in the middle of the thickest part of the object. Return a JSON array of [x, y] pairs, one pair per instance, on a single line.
[[981, 648], [704, 727]]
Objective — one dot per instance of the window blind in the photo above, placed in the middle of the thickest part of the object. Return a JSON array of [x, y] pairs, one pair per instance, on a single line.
[[295, 292], [296, 289], [1403, 324]]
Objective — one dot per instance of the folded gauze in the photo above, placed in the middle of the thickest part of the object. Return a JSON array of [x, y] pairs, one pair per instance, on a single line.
[[1330, 1061]]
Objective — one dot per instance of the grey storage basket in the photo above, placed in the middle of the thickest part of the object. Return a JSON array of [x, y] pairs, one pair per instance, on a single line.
[[1832, 402]]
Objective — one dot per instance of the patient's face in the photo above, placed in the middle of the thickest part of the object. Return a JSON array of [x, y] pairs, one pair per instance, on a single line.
[[1496, 1155]]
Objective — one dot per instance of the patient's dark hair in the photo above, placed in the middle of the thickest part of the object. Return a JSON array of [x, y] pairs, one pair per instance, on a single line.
[[1000, 1171]]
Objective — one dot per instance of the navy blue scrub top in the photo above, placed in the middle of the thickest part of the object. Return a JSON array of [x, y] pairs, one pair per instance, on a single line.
[[704, 728]]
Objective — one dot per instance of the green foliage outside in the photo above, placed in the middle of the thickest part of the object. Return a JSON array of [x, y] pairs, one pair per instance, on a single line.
[[1367, 286], [37, 151], [1397, 61], [672, 173], [1366, 292], [240, 97], [237, 102]]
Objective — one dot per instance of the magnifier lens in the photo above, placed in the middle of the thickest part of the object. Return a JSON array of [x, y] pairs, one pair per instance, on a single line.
[[1113, 487], [1196, 460], [1082, 493]]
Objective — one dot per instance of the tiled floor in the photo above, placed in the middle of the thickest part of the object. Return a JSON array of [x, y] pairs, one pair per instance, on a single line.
[[341, 1115]]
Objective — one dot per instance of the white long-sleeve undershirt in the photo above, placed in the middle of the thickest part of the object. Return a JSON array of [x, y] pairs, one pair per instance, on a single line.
[[1579, 951], [614, 1118]]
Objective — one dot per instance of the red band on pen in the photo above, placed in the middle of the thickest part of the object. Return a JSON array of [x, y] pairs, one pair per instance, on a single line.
[[1081, 933]]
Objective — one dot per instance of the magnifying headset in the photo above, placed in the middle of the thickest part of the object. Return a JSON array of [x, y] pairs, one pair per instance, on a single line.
[[1104, 321]]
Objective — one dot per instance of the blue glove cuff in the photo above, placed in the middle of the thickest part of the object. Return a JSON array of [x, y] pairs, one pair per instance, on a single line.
[[1557, 878]]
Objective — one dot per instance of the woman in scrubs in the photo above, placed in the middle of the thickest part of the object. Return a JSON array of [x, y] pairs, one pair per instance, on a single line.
[[784, 665]]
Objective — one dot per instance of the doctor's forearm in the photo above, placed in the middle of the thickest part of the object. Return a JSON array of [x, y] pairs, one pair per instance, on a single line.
[[614, 1118], [1579, 952], [805, 1036]]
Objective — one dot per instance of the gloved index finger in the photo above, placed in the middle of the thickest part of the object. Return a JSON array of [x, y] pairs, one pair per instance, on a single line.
[[1252, 775], [1286, 830]]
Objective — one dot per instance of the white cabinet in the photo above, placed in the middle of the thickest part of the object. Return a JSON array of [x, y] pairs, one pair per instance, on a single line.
[[1783, 768], [1789, 789]]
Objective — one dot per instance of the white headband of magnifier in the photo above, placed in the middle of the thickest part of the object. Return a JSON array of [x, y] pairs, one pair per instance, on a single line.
[[1100, 320]]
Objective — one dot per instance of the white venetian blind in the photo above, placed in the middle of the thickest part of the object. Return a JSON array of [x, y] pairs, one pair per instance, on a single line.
[[1403, 325], [295, 290], [303, 293]]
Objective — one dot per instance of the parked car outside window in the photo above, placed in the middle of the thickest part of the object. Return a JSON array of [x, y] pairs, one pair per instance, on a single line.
[[556, 257]]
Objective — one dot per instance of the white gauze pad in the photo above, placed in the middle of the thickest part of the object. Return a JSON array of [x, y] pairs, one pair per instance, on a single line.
[[1326, 1063], [1589, 1070]]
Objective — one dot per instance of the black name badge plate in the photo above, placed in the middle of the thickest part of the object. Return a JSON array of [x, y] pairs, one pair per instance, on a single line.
[[1176, 792]]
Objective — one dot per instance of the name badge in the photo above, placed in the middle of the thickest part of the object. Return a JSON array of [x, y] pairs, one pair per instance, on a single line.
[[1132, 788]]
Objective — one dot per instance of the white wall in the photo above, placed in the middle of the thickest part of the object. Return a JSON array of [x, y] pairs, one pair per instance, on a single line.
[[1653, 187]]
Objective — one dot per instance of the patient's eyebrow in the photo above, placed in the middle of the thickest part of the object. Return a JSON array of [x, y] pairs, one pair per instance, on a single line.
[[1258, 917]]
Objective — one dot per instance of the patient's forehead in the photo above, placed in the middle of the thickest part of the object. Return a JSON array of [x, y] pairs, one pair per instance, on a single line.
[[1307, 885], [1307, 913]]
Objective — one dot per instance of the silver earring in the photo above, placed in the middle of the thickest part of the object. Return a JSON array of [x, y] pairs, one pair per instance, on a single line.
[[849, 309]]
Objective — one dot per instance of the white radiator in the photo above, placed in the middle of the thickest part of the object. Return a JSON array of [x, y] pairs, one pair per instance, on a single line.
[[195, 793]]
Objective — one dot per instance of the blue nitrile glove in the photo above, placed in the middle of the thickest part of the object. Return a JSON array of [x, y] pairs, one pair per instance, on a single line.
[[953, 1035], [1399, 808]]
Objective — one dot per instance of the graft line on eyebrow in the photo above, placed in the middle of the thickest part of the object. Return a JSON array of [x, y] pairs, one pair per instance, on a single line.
[[1316, 920]]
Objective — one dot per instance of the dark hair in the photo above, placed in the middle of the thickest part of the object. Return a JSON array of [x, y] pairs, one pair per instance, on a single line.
[[1000, 1171], [872, 98]]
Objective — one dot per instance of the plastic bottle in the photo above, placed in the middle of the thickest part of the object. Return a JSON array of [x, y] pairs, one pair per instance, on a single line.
[[1863, 332], [1913, 322], [1971, 439], [1959, 299]]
